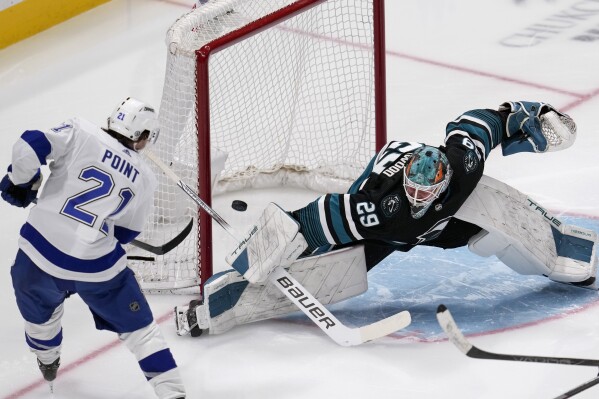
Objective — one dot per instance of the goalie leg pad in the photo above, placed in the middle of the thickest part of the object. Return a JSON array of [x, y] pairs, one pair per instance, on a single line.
[[230, 300], [525, 237], [274, 241], [576, 249]]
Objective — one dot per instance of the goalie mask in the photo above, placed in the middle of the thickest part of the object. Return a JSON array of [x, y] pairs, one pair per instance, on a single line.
[[426, 176], [134, 120]]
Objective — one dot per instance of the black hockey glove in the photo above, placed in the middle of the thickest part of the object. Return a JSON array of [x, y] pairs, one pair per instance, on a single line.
[[20, 195]]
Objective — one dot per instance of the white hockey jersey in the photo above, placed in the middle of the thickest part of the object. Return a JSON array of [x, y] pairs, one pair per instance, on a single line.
[[97, 197]]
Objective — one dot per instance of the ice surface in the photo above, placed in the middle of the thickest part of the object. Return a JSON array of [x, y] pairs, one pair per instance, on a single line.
[[442, 59]]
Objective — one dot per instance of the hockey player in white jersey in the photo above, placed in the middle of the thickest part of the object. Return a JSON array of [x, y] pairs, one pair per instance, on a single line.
[[95, 200]]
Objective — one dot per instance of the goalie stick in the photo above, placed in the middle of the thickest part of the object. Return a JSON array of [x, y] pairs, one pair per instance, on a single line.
[[293, 290], [456, 336], [167, 247]]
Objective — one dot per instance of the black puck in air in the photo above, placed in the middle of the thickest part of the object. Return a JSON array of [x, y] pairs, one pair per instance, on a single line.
[[239, 205]]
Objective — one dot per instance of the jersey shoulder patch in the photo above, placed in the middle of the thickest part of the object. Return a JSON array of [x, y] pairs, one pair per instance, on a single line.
[[390, 205], [64, 126], [470, 161]]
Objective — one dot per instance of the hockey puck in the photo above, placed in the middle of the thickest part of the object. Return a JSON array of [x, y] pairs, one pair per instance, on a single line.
[[239, 205]]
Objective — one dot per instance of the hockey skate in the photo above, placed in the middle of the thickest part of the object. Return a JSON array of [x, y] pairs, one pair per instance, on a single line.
[[186, 319], [588, 284], [49, 371]]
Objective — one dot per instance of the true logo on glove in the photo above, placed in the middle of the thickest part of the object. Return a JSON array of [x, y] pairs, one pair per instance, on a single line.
[[242, 243]]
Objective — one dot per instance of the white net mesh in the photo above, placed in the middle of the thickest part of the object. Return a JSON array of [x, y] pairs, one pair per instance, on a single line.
[[291, 104]]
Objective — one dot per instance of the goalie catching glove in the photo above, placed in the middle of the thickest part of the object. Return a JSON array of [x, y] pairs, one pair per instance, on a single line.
[[274, 241], [536, 127]]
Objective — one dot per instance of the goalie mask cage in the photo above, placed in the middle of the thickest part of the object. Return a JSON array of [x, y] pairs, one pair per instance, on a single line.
[[293, 92]]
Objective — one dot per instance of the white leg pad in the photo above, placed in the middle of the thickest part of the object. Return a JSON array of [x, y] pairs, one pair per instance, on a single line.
[[525, 237], [229, 300]]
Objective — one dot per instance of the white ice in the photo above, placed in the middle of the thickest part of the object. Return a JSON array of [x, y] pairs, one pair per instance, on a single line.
[[443, 57]]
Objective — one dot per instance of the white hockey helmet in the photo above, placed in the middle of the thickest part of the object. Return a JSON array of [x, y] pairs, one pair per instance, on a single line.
[[133, 117]]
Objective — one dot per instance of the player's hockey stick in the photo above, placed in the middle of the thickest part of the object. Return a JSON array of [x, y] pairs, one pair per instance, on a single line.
[[458, 339], [580, 388], [456, 336], [159, 249], [305, 301], [167, 247]]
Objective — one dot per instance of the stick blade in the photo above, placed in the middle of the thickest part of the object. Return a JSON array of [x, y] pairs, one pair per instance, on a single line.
[[385, 327], [179, 238], [450, 327], [169, 246]]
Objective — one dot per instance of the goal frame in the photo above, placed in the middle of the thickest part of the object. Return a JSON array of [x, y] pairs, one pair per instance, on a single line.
[[203, 56]]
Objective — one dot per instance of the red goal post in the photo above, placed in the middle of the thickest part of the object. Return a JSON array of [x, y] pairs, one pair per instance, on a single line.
[[290, 92]]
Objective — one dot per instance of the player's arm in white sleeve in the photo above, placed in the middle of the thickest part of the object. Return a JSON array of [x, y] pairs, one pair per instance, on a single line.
[[35, 147], [20, 185]]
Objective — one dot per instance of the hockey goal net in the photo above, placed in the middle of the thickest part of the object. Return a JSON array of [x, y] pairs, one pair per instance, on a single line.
[[291, 92]]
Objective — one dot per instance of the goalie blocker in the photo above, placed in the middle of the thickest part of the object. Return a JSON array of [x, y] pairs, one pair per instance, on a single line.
[[274, 241]]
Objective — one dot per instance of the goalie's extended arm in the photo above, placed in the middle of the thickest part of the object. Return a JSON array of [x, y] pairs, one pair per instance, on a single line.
[[519, 126], [536, 127]]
